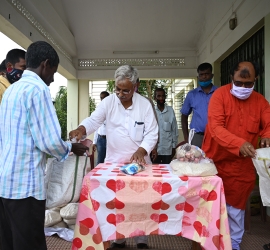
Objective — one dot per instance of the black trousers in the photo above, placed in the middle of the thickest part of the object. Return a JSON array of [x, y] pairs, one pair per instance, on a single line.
[[165, 159], [197, 140], [22, 224]]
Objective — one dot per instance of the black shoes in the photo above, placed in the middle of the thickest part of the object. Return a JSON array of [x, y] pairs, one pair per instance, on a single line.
[[142, 246], [115, 245]]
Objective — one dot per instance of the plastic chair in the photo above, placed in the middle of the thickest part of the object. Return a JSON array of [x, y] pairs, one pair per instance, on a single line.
[[89, 143], [255, 192]]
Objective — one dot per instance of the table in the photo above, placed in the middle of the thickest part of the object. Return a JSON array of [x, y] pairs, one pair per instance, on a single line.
[[114, 206]]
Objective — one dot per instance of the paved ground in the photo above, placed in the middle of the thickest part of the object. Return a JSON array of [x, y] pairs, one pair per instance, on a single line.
[[260, 235]]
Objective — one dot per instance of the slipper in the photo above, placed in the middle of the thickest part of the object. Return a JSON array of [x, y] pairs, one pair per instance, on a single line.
[[142, 246], [115, 245], [266, 246]]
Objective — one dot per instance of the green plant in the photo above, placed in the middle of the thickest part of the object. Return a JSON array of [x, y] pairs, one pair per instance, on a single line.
[[61, 110], [92, 105]]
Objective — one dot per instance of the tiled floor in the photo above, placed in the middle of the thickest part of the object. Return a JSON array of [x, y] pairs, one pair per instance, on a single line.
[[260, 235]]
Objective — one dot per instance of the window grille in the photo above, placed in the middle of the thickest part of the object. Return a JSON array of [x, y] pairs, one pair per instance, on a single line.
[[251, 50]]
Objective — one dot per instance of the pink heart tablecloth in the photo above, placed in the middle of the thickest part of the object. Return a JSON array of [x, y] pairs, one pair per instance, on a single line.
[[114, 206]]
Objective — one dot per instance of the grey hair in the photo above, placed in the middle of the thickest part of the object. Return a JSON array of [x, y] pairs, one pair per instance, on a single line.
[[126, 72]]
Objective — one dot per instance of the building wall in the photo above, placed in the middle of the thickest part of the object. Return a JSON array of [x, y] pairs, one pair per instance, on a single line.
[[217, 39]]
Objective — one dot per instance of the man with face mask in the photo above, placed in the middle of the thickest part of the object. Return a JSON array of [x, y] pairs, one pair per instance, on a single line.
[[15, 65], [237, 117], [197, 102]]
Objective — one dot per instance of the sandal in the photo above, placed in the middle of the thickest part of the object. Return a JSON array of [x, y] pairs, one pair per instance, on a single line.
[[266, 246]]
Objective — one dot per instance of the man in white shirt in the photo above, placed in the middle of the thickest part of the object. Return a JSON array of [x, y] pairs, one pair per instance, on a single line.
[[99, 141], [131, 127], [168, 130]]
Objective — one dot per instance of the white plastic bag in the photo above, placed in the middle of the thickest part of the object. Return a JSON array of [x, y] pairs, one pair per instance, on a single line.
[[205, 168], [262, 165], [64, 233], [188, 152]]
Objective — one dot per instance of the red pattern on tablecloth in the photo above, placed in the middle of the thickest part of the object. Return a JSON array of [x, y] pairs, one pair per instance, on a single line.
[[115, 206]]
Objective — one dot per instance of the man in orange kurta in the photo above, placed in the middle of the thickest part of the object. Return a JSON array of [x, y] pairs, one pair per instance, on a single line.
[[237, 117]]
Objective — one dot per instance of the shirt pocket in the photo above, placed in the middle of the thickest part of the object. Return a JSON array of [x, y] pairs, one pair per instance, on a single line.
[[167, 126], [136, 131], [253, 125]]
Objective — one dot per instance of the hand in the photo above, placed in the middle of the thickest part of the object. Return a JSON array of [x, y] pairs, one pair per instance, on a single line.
[[79, 149], [154, 154], [138, 156], [94, 147], [247, 150], [265, 143], [77, 133], [173, 152]]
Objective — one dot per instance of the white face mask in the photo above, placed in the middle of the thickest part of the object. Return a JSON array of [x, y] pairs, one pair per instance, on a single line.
[[241, 92]]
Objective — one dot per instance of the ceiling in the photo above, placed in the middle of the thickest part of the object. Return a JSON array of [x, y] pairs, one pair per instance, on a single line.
[[103, 26], [89, 33]]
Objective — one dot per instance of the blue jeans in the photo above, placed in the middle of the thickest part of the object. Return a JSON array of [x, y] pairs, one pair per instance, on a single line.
[[101, 149]]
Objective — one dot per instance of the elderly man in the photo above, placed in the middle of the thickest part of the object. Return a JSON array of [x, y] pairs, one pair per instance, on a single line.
[[131, 127], [237, 117]]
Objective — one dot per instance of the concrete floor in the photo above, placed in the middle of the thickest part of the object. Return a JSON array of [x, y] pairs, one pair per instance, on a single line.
[[260, 235]]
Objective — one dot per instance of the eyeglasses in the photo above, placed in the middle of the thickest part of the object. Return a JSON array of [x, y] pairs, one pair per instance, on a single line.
[[245, 84], [124, 92]]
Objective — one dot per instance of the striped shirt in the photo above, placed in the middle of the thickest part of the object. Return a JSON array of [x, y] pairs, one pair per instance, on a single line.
[[29, 129]]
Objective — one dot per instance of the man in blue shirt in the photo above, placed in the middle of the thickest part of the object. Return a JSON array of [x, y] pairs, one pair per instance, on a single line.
[[197, 101], [29, 130]]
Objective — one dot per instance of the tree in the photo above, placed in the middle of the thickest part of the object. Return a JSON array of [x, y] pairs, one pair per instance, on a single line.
[[92, 105], [61, 109], [147, 87]]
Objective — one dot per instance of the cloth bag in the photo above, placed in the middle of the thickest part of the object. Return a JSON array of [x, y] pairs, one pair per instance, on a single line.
[[262, 165], [64, 180]]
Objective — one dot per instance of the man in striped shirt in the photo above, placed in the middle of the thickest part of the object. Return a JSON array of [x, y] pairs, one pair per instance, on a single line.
[[29, 130]]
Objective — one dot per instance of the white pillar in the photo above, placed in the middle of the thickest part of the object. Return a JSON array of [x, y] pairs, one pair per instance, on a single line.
[[83, 99], [72, 104], [267, 64]]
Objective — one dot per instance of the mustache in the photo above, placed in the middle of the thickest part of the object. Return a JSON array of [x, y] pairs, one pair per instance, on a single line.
[[121, 97]]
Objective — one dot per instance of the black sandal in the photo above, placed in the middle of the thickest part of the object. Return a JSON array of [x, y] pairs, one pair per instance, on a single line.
[[266, 246], [142, 246], [115, 245]]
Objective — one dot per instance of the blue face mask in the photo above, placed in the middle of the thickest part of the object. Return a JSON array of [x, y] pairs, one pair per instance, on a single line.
[[205, 84]]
